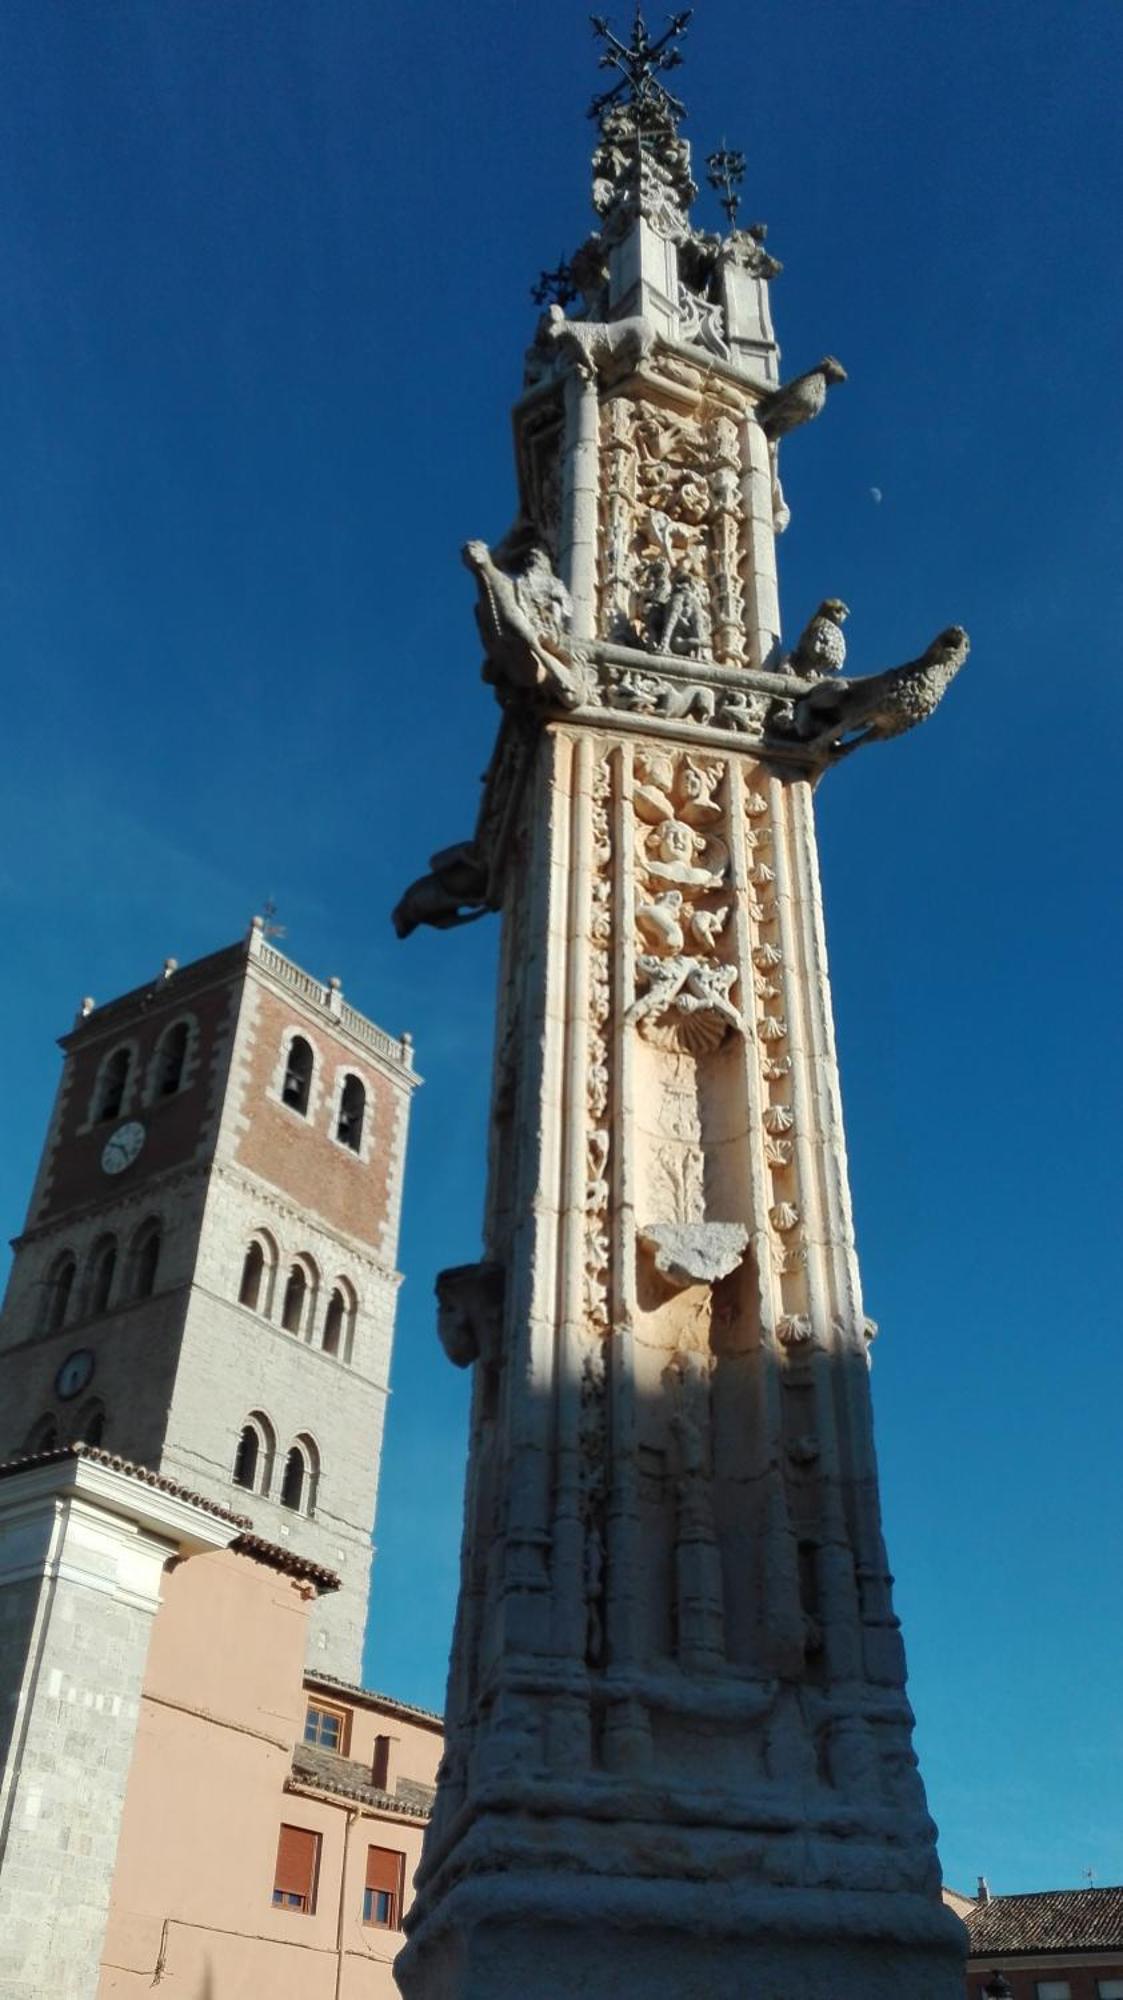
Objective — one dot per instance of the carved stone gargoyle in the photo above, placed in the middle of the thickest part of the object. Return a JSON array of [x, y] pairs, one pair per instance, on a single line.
[[838, 716], [522, 624], [454, 893], [470, 1312]]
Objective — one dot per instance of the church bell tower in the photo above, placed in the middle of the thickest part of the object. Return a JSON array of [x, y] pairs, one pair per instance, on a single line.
[[679, 1755], [205, 1284]]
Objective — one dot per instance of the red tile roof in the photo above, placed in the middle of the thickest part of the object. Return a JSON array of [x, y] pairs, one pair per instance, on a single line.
[[1052, 1920]]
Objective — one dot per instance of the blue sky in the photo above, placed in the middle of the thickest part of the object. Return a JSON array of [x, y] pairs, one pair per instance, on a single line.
[[264, 272]]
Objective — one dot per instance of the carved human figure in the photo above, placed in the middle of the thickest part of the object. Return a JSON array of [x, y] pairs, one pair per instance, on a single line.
[[676, 617], [672, 855]]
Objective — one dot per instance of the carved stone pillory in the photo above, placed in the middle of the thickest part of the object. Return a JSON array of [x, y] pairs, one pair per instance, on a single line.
[[679, 1748]]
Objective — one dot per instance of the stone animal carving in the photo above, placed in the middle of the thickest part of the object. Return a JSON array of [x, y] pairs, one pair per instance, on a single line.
[[454, 893], [470, 1312], [649, 694], [839, 716], [520, 623], [821, 647], [798, 400], [609, 349]]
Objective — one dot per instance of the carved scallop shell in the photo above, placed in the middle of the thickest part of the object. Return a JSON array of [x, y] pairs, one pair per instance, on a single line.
[[778, 1153], [778, 1118], [772, 1028], [784, 1216], [776, 1068], [755, 804], [793, 1330], [766, 955], [761, 875]]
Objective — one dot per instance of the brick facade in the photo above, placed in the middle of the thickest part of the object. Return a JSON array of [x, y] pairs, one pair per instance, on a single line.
[[223, 1161]]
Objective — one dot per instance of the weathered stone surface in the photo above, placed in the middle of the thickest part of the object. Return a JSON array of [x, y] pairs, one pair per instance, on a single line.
[[695, 1253], [679, 1750]]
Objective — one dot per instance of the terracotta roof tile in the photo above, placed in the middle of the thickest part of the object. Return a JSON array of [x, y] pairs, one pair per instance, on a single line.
[[349, 1779], [1052, 1920], [286, 1560], [142, 1473], [371, 1695]]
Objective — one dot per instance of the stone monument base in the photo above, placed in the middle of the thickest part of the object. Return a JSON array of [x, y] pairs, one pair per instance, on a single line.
[[552, 1938]]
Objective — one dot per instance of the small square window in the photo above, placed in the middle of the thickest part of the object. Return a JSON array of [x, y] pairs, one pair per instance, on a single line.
[[325, 1727]]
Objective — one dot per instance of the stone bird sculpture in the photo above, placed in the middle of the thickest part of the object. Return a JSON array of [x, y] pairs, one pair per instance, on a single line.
[[798, 400], [879, 705], [820, 648]]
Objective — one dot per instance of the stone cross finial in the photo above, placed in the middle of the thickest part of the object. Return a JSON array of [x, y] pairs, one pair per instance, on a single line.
[[640, 63]]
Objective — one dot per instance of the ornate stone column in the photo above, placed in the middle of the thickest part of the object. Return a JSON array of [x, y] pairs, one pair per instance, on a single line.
[[679, 1746]]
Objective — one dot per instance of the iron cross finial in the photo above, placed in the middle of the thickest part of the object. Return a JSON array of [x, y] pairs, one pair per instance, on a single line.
[[727, 171], [555, 287], [640, 63]]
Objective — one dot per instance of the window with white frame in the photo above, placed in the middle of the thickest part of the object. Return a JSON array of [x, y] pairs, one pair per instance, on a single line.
[[352, 1113], [296, 1086]]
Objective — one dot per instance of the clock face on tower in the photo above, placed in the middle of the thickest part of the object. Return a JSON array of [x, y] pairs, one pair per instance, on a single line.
[[122, 1147], [74, 1374]]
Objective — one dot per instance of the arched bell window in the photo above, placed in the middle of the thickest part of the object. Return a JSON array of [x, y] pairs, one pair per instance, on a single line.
[[145, 1258], [254, 1454], [171, 1058], [89, 1426], [296, 1088], [113, 1084], [43, 1436], [339, 1321], [298, 1304], [60, 1286], [296, 1291], [101, 1273], [259, 1268], [352, 1113], [301, 1476], [253, 1273]]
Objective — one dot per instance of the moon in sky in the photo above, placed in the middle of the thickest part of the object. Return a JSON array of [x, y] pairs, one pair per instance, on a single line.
[[875, 495]]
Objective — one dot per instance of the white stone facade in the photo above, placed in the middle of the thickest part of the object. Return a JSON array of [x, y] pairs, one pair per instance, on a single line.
[[82, 1552]]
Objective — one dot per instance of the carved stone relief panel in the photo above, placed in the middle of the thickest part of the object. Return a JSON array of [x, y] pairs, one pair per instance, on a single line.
[[671, 529], [685, 978]]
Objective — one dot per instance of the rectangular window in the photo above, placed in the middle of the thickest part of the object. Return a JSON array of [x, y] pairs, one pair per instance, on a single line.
[[326, 1727], [1053, 1989], [1109, 1989], [298, 1864], [382, 1896]]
